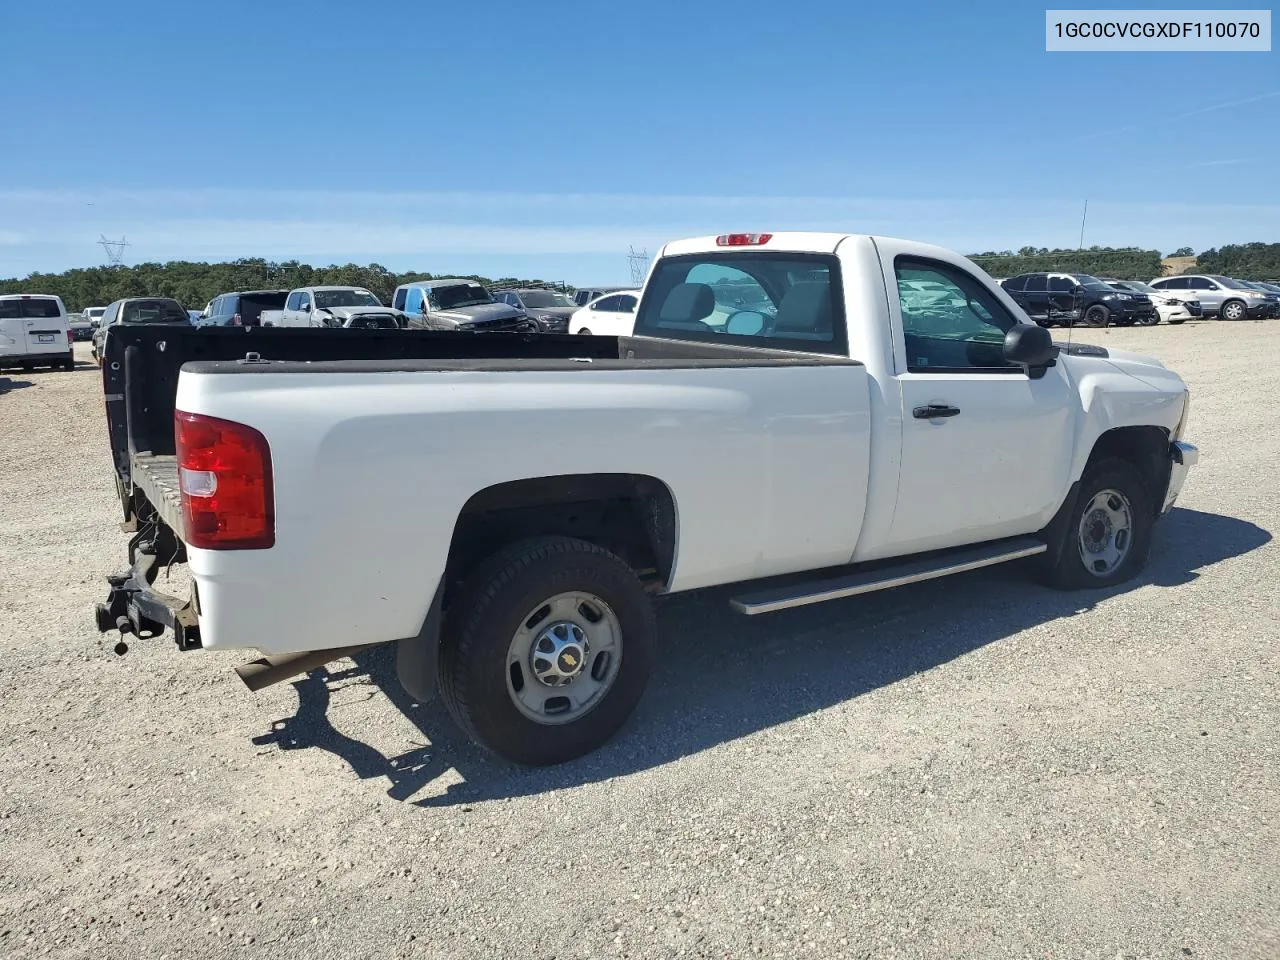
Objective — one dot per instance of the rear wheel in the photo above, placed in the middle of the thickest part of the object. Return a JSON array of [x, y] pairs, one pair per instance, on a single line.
[[1232, 310], [584, 332], [1109, 534], [546, 650]]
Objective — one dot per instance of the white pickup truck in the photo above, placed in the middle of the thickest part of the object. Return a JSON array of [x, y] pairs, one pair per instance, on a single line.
[[846, 434], [345, 307]]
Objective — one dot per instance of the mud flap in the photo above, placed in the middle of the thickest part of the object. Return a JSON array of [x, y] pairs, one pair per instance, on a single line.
[[418, 658]]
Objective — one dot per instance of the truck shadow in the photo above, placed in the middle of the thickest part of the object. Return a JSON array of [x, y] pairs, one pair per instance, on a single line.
[[737, 675], [8, 383]]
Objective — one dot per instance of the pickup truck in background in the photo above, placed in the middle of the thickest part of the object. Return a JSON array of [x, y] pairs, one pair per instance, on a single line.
[[881, 414], [457, 303], [346, 307]]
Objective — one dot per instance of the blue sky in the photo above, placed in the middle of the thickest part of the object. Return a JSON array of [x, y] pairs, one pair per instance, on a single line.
[[543, 139]]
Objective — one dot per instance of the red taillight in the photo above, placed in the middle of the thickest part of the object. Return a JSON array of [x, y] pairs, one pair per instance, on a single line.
[[224, 473], [743, 239], [71, 340]]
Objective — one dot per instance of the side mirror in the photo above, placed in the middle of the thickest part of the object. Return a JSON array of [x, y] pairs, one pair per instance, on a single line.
[[1029, 345]]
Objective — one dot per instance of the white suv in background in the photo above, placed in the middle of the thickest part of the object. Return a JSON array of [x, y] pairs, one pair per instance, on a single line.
[[613, 315], [1220, 296], [35, 332]]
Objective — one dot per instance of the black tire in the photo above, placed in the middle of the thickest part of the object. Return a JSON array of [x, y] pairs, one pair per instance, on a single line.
[[69, 364], [1176, 322], [1233, 310], [1096, 316], [1120, 476], [480, 623], [584, 332]]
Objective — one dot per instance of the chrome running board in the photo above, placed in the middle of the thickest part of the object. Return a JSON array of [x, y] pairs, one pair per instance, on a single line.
[[886, 578]]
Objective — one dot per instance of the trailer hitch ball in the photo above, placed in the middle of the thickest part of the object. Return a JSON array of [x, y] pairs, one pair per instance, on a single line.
[[121, 648]]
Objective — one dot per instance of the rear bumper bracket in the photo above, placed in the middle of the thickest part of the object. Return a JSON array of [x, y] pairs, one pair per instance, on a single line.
[[134, 606]]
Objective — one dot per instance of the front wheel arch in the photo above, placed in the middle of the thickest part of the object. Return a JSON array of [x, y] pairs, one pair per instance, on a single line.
[[1146, 448]]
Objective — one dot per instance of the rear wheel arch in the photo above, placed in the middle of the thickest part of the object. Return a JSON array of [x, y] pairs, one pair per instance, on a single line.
[[631, 515]]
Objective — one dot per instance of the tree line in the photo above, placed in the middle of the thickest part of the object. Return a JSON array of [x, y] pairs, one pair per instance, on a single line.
[[1247, 261], [195, 284], [1122, 263]]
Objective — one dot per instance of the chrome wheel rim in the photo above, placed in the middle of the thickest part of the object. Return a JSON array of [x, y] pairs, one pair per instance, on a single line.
[[1233, 311], [564, 658], [1105, 535]]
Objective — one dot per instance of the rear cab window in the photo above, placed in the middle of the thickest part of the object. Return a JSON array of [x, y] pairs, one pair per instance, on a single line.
[[786, 301], [154, 311]]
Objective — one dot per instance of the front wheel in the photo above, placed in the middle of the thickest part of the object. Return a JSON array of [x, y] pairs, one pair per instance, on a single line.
[[1109, 534], [1096, 316], [546, 650], [584, 332]]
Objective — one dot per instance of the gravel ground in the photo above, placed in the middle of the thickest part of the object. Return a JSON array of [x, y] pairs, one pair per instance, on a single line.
[[976, 767]]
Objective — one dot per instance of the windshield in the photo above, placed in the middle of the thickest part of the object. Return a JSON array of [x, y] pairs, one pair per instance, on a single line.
[[94, 313], [459, 295], [1231, 284], [345, 298], [545, 298], [153, 311], [1091, 283]]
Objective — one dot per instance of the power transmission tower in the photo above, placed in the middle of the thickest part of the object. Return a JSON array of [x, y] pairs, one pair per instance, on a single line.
[[639, 264], [114, 248]]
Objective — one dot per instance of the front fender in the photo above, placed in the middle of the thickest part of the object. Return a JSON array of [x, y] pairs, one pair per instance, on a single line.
[[1112, 397]]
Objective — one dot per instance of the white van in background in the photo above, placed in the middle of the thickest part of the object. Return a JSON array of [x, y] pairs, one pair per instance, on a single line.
[[34, 332]]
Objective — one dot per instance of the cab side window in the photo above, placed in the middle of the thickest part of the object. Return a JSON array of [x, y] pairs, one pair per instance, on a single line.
[[950, 321]]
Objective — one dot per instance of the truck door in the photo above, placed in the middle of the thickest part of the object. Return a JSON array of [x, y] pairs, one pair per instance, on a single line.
[[304, 309], [986, 449], [1062, 298], [1036, 296]]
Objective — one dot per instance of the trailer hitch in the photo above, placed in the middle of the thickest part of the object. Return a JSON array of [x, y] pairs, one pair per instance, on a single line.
[[134, 607]]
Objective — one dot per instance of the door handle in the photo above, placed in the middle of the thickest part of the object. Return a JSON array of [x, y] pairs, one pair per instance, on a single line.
[[933, 411]]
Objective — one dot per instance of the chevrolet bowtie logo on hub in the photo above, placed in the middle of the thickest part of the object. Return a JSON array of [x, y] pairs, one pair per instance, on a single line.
[[569, 660]]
